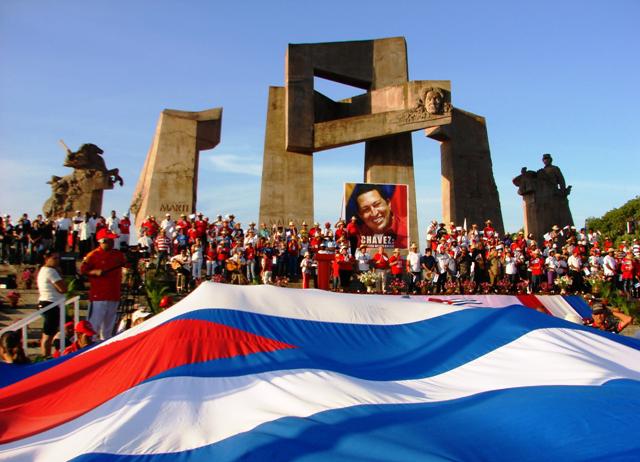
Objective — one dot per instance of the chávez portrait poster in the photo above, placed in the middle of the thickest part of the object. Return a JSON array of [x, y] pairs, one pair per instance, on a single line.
[[381, 213]]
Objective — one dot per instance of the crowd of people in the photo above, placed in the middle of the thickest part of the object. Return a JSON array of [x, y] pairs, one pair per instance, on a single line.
[[25, 240], [198, 248]]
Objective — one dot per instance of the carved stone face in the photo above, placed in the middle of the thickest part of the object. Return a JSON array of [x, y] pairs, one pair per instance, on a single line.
[[433, 102]]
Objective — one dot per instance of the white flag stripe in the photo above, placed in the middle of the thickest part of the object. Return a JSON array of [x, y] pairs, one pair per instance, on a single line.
[[311, 305], [143, 420]]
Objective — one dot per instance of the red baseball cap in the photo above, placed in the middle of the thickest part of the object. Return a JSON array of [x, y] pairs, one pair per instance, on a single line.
[[85, 327], [105, 234]]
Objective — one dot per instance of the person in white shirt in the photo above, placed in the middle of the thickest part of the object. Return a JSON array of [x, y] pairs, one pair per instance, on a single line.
[[575, 270], [197, 258], [52, 289], [63, 226], [610, 265], [362, 259], [76, 223], [84, 236], [413, 266], [113, 224], [562, 268], [442, 261], [169, 226], [551, 264], [510, 267], [595, 261]]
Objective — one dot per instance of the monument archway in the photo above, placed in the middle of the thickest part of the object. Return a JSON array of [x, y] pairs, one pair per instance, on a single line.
[[302, 121]]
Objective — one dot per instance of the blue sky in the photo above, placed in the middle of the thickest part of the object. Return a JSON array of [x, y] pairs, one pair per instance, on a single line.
[[549, 76]]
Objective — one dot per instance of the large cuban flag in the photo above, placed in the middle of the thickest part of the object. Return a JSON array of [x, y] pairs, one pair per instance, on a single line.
[[272, 374]]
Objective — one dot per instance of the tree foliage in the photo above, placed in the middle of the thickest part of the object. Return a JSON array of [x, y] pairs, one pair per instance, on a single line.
[[614, 222]]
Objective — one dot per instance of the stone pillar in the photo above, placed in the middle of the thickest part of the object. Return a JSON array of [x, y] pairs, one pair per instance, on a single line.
[[469, 190], [287, 176], [390, 160], [169, 179]]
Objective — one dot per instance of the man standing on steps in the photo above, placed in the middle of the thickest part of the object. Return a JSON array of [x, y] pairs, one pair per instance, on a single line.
[[103, 266]]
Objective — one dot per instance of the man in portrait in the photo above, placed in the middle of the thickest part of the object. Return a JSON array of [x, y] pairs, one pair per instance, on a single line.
[[381, 213]]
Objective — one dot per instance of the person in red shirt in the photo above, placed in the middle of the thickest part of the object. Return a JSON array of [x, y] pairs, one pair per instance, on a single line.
[[201, 225], [340, 231], [150, 225], [124, 226], [250, 257], [396, 264], [314, 243], [536, 266], [353, 235], [315, 230], [183, 223], [84, 337], [193, 233], [103, 266], [211, 259], [627, 269], [488, 232], [380, 262]]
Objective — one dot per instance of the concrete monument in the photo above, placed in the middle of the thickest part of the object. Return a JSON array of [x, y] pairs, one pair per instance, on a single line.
[[302, 121], [545, 198], [169, 179], [81, 190]]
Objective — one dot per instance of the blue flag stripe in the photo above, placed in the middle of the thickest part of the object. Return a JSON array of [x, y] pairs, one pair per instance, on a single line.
[[396, 352], [556, 422]]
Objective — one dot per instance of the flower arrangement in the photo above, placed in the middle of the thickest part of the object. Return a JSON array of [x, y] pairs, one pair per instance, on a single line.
[[469, 287], [504, 286], [217, 278], [522, 287], [563, 282], [368, 278], [13, 297], [546, 288], [281, 281], [485, 288], [397, 286], [425, 286], [596, 281], [451, 287]]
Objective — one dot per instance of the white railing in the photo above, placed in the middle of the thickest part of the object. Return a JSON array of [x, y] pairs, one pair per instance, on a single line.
[[62, 306]]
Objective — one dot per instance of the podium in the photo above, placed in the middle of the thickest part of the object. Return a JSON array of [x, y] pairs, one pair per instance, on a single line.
[[324, 269]]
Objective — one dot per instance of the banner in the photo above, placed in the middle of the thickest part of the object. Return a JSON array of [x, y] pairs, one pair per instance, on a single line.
[[381, 213]]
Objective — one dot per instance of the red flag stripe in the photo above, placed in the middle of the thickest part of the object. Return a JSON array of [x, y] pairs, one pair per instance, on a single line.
[[531, 301], [82, 383]]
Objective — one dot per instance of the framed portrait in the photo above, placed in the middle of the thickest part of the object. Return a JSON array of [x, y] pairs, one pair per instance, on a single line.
[[381, 212]]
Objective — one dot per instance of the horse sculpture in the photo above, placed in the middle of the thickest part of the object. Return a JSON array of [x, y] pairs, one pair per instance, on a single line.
[[82, 189]]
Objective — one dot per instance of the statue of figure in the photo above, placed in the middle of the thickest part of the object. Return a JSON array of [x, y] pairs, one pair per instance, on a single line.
[[82, 189], [545, 196], [553, 176]]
